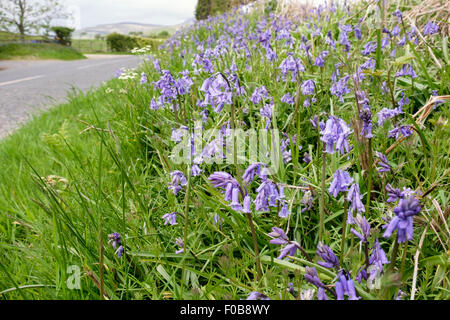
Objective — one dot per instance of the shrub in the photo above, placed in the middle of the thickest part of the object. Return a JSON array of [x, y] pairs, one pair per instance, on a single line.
[[121, 43]]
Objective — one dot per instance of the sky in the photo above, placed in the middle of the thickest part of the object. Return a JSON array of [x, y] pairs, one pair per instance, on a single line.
[[88, 13]]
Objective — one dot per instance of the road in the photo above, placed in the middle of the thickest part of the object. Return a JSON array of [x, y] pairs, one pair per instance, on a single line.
[[27, 87]]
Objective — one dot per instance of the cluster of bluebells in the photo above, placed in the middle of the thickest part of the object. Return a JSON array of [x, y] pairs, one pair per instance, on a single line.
[[274, 41]]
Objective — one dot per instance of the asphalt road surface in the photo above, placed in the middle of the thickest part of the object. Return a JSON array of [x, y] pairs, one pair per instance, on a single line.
[[26, 87]]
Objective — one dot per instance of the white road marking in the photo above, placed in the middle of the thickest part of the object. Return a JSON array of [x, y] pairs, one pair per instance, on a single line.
[[19, 80]]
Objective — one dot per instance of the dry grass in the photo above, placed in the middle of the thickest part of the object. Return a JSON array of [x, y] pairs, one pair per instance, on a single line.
[[436, 10]]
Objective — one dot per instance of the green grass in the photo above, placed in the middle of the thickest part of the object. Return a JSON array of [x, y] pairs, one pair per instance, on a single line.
[[90, 45], [8, 36], [100, 164], [38, 51]]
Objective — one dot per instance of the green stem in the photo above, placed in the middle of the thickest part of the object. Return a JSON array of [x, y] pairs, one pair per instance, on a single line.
[[255, 244], [394, 255], [369, 176], [344, 232], [322, 195]]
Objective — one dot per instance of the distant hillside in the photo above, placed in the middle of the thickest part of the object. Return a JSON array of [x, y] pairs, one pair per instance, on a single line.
[[123, 28]]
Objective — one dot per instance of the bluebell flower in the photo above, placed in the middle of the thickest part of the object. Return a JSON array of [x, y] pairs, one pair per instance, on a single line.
[[179, 242], [170, 218], [114, 239], [254, 295], [335, 135], [400, 131], [143, 79], [287, 98], [403, 220], [354, 198], [393, 193], [308, 87], [430, 28], [385, 114], [383, 163], [406, 70], [364, 226], [341, 182], [325, 252], [369, 48], [177, 179], [346, 287]]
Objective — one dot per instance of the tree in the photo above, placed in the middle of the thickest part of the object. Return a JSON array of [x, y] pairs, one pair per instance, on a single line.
[[23, 16], [206, 8], [63, 34], [203, 9]]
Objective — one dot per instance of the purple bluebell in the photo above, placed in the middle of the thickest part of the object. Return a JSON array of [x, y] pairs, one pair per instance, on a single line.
[[364, 226], [287, 98], [354, 198], [400, 131], [195, 170], [279, 237], [235, 205], [378, 257], [284, 212], [170, 218], [254, 295], [179, 242], [397, 13], [114, 239], [308, 87], [143, 79], [307, 200], [346, 287], [406, 70], [339, 88], [335, 135], [291, 65], [393, 193], [247, 204], [383, 163], [341, 182], [266, 112], [177, 134], [329, 258], [251, 171], [154, 105], [306, 158], [369, 48], [177, 179], [385, 114], [217, 91], [403, 220], [430, 28], [259, 95]]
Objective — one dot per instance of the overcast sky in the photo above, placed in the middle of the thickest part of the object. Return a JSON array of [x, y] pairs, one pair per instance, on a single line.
[[88, 13]]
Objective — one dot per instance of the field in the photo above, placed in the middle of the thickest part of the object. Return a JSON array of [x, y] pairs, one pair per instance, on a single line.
[[90, 45], [289, 153], [38, 51]]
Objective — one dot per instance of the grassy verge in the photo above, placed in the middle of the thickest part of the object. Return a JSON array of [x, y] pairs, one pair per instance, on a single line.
[[38, 51]]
